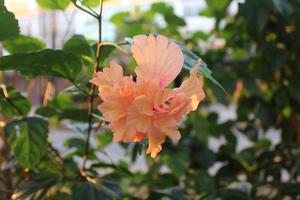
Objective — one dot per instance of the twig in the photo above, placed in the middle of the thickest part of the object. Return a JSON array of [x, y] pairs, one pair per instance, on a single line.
[[85, 10], [92, 89], [114, 45], [90, 9], [56, 153]]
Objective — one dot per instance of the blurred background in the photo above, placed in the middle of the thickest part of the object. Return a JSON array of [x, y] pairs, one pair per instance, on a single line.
[[242, 144]]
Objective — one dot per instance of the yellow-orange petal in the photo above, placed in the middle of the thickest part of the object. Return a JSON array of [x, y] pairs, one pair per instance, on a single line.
[[192, 87], [156, 139], [159, 60]]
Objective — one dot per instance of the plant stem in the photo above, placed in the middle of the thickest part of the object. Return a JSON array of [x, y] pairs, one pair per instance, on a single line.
[[84, 10], [92, 89]]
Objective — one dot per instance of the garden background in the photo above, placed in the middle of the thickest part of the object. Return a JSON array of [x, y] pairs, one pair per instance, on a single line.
[[241, 143]]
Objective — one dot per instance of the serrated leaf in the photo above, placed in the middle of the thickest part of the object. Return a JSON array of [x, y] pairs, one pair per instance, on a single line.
[[8, 23], [28, 140], [21, 104], [48, 62], [54, 4], [23, 44]]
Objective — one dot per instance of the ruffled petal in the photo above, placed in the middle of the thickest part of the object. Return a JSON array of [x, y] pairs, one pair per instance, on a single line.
[[156, 139], [108, 78], [122, 132], [167, 126], [192, 87], [158, 59]]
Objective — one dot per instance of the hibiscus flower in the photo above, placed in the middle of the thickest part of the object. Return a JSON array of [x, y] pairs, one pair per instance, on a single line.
[[145, 108]]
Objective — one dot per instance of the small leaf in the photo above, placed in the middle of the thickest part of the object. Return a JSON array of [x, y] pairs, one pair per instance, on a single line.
[[176, 193], [28, 139], [77, 44], [8, 23], [37, 186], [48, 62], [138, 149], [91, 3], [104, 190], [21, 104], [23, 44], [62, 106], [284, 7], [54, 4], [104, 139]]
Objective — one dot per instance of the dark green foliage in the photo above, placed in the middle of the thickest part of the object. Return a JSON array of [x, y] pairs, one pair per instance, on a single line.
[[8, 23], [23, 44], [105, 189], [47, 62], [62, 107], [37, 186], [14, 103], [28, 140], [77, 44]]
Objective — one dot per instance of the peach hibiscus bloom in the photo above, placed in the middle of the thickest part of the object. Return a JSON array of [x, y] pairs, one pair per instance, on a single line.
[[145, 108]]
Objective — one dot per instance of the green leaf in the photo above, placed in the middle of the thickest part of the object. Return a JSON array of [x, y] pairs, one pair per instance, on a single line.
[[138, 149], [204, 182], [8, 23], [14, 103], [28, 139], [62, 106], [105, 190], [23, 44], [91, 3], [191, 59], [118, 19], [234, 195], [283, 6], [104, 139], [168, 13], [176, 193], [215, 8], [54, 4], [48, 62], [77, 44], [105, 53], [37, 186]]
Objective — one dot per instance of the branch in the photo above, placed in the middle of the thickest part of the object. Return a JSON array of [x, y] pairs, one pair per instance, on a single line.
[[92, 90]]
